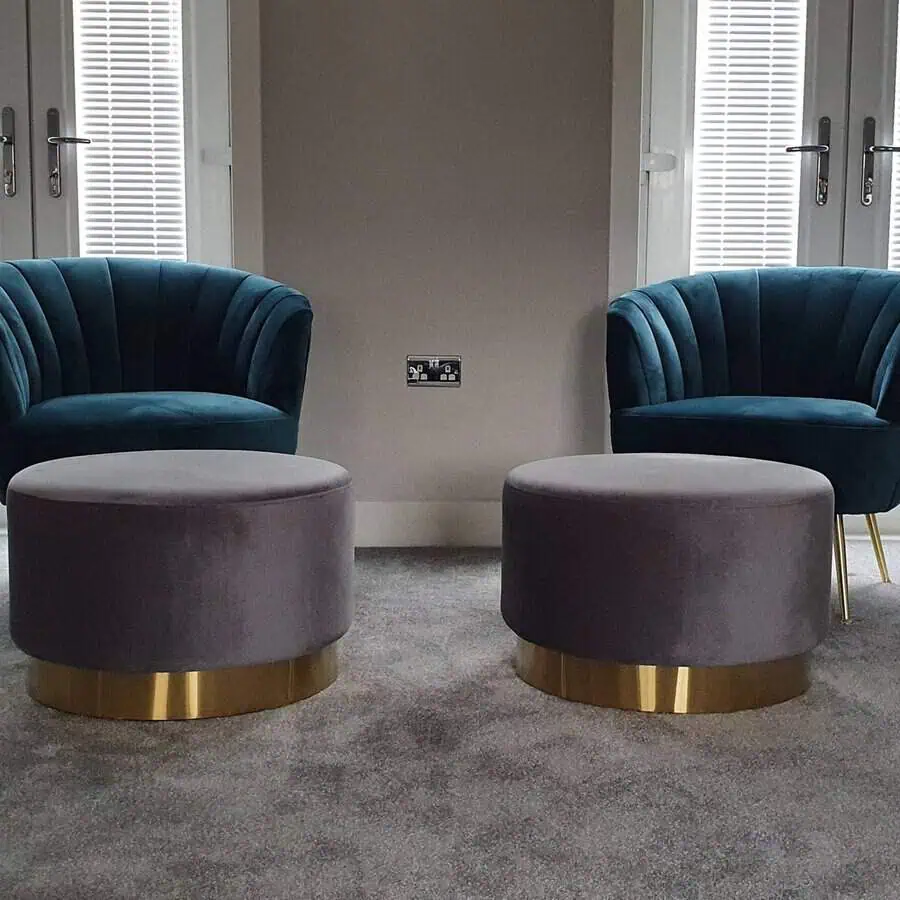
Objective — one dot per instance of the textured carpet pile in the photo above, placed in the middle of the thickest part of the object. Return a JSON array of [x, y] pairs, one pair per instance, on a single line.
[[430, 771]]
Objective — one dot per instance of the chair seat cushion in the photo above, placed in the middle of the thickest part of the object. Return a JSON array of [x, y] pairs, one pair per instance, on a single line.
[[148, 420], [844, 440]]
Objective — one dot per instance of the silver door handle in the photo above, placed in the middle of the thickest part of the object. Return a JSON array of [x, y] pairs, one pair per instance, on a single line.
[[822, 151], [54, 141], [870, 148], [8, 146]]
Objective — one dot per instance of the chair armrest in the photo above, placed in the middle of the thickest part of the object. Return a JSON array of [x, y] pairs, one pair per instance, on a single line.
[[886, 387], [15, 391], [276, 347], [636, 371]]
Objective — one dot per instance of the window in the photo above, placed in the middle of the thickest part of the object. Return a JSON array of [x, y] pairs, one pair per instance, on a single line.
[[130, 100], [748, 108]]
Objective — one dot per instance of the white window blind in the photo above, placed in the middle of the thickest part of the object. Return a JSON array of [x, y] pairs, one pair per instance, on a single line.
[[748, 108], [130, 102], [894, 234]]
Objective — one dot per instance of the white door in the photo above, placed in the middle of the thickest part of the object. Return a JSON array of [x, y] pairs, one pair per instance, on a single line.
[[759, 77], [126, 106], [54, 118], [16, 240]]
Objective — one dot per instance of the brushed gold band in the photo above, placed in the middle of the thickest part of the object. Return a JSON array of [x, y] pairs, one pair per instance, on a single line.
[[181, 695], [673, 689]]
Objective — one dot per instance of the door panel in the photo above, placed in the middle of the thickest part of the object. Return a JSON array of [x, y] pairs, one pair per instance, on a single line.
[[15, 211], [872, 71], [821, 228], [53, 87]]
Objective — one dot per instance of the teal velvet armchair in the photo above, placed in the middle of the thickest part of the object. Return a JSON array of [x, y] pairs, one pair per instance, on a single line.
[[104, 355], [797, 365]]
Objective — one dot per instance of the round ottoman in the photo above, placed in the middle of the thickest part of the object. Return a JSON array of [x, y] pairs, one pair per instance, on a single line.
[[667, 583], [179, 584]]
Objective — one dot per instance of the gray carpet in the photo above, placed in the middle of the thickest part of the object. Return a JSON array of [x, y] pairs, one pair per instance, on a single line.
[[429, 770]]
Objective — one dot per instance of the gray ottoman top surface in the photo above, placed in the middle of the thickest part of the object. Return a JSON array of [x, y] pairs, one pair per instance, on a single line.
[[669, 477], [179, 478]]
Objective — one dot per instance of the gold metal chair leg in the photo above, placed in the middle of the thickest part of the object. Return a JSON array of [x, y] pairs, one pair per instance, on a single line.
[[840, 564], [878, 547]]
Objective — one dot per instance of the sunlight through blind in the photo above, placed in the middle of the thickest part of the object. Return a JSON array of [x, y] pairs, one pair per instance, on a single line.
[[129, 96], [748, 108], [894, 239]]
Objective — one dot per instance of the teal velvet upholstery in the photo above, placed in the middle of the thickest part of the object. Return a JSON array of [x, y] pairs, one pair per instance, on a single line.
[[103, 355], [797, 365]]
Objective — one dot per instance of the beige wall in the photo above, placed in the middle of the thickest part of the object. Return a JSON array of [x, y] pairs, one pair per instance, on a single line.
[[436, 180]]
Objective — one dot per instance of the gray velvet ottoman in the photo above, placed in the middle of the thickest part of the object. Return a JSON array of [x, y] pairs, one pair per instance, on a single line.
[[179, 584], [667, 583]]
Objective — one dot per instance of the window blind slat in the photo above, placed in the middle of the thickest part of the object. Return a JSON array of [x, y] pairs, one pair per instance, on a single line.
[[748, 108], [130, 102]]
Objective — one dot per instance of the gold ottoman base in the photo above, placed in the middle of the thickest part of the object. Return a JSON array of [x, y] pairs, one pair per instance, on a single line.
[[181, 695], [672, 689]]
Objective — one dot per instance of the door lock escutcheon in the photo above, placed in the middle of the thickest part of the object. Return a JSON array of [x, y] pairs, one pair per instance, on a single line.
[[823, 151], [8, 150], [869, 149], [54, 141]]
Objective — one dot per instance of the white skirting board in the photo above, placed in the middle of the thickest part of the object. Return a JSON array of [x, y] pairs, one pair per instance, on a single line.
[[476, 523], [888, 525], [472, 523]]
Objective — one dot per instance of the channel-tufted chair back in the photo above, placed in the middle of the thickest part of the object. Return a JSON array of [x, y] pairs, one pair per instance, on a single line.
[[801, 332], [89, 326]]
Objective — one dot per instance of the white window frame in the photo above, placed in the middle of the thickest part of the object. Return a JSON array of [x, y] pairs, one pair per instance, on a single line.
[[670, 101], [207, 134], [628, 140], [874, 37], [671, 46], [16, 219], [246, 136]]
